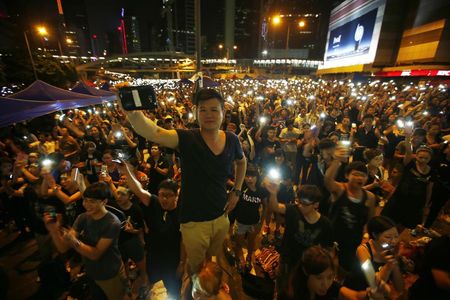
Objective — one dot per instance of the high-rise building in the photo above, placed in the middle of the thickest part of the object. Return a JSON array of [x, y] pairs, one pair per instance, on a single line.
[[183, 25], [133, 36], [76, 39], [246, 28]]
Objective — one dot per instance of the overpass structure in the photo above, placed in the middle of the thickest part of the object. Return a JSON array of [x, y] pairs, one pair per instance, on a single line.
[[178, 65]]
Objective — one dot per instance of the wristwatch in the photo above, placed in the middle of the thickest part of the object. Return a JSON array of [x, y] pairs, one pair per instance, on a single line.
[[237, 192]]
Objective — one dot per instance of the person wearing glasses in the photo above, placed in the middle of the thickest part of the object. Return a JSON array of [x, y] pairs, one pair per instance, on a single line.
[[94, 236], [166, 258], [304, 227]]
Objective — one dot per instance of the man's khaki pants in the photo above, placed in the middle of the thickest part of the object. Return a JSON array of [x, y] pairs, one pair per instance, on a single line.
[[203, 240]]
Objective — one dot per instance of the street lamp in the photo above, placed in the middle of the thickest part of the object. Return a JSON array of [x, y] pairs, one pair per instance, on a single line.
[[220, 46], [235, 47], [42, 31], [276, 20]]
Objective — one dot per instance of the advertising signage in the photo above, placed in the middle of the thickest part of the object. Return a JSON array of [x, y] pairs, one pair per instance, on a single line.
[[353, 33], [352, 38]]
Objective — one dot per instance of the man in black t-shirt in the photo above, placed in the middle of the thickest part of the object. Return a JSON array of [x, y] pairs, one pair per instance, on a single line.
[[158, 168], [165, 252], [304, 227], [208, 156]]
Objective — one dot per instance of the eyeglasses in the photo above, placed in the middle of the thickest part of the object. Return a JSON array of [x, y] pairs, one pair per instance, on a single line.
[[303, 203], [166, 195]]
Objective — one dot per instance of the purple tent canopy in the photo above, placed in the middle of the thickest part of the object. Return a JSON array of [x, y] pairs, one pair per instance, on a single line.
[[185, 81], [208, 82], [82, 88], [40, 99], [105, 86], [42, 91]]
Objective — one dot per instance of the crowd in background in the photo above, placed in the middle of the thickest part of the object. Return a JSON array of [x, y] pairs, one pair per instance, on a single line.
[[328, 161]]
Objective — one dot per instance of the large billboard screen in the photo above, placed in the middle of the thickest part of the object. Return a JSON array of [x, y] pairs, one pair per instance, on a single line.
[[353, 33]]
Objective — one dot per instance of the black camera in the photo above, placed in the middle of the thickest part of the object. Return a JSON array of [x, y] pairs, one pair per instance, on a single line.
[[138, 98]]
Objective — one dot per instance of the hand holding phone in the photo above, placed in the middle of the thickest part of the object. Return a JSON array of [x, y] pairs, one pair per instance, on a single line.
[[138, 98]]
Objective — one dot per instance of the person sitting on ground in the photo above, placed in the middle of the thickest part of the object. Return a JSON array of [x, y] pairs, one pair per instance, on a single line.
[[208, 283]]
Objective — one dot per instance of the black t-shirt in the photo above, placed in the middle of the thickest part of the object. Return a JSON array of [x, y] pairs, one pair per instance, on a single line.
[[203, 184], [300, 235], [367, 139], [247, 208], [164, 237], [154, 176], [136, 219]]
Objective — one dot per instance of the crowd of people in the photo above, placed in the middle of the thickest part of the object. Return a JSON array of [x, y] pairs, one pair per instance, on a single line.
[[328, 173]]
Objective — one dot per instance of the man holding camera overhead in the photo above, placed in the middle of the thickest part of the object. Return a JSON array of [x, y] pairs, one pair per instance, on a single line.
[[207, 157]]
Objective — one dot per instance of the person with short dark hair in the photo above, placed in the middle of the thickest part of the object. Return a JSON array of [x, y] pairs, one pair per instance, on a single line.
[[304, 227], [166, 257], [352, 206], [207, 158], [157, 168], [366, 137], [94, 236], [288, 138]]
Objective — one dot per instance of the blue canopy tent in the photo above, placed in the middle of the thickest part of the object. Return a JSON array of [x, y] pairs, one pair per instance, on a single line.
[[83, 88], [105, 86], [208, 82], [40, 99], [186, 81]]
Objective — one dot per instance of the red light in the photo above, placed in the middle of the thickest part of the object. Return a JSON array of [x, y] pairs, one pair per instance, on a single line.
[[119, 28], [94, 36]]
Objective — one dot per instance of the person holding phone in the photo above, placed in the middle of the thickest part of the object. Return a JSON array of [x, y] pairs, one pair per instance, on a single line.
[[94, 236], [208, 156], [382, 250], [314, 278]]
